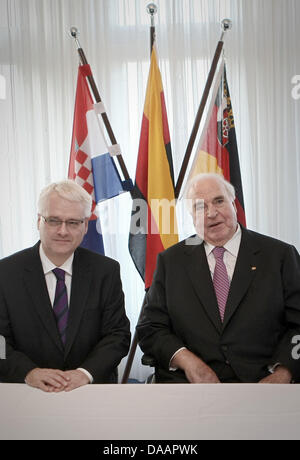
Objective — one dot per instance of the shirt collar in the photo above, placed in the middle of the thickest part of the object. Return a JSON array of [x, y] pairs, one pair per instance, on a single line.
[[48, 266], [231, 246]]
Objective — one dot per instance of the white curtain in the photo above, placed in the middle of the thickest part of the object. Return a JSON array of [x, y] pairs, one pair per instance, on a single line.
[[38, 71]]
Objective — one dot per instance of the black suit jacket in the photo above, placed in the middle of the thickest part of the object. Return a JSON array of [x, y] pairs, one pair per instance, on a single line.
[[261, 318], [98, 330]]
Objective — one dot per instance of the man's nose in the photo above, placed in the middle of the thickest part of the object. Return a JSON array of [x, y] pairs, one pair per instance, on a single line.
[[211, 211], [63, 229]]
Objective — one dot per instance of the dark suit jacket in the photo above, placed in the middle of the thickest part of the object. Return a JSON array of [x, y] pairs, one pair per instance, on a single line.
[[98, 330], [262, 313]]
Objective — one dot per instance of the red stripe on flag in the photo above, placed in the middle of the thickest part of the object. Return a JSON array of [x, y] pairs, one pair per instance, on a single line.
[[142, 170], [86, 70], [154, 176], [80, 168], [211, 144], [83, 103], [217, 149]]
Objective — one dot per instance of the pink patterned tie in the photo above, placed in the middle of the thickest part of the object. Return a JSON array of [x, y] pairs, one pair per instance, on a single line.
[[220, 280]]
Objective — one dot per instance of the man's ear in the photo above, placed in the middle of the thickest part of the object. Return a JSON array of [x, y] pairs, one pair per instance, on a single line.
[[86, 223]]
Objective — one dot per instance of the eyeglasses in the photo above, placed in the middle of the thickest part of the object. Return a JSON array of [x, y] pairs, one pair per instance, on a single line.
[[72, 224], [200, 206]]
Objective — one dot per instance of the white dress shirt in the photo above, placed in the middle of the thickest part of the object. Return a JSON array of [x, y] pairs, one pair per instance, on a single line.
[[51, 281]]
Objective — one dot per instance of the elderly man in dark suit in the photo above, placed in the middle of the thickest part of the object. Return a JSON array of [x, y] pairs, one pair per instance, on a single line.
[[62, 307], [224, 306]]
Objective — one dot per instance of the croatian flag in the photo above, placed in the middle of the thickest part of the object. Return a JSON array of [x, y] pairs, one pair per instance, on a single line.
[[91, 164]]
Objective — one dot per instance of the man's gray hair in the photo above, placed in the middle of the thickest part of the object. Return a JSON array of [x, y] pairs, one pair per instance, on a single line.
[[191, 185], [69, 190]]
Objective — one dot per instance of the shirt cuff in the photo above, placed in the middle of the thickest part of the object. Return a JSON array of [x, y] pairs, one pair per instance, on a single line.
[[175, 368], [271, 368], [90, 377]]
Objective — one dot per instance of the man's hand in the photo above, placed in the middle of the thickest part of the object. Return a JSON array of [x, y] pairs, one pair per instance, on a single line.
[[280, 375], [55, 380], [196, 371], [76, 378], [49, 380]]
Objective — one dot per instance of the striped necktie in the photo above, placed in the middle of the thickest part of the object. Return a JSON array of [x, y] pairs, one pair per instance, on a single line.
[[220, 280], [60, 305]]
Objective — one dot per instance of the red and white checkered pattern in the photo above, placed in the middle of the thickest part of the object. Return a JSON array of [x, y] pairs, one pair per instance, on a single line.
[[84, 176]]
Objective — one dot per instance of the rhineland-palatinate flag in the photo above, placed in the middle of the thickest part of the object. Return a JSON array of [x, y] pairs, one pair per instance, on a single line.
[[91, 164], [217, 149], [153, 219]]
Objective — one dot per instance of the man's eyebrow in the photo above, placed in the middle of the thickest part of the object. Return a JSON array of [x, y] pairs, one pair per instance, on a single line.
[[200, 201]]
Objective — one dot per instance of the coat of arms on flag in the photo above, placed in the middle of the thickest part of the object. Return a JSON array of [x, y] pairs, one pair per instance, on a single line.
[[217, 150]]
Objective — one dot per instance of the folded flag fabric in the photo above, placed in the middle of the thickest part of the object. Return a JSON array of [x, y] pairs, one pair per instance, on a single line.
[[154, 182], [91, 164], [217, 149]]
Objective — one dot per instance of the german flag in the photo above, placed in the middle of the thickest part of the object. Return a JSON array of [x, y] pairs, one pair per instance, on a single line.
[[153, 218], [217, 150]]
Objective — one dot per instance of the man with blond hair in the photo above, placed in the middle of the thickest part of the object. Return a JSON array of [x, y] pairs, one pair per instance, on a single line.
[[224, 306], [61, 306]]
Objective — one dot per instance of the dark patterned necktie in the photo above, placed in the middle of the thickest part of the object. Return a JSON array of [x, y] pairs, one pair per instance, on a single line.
[[60, 305], [220, 280]]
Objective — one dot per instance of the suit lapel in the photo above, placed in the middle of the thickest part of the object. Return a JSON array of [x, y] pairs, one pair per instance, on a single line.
[[198, 270], [244, 273], [35, 283], [81, 281]]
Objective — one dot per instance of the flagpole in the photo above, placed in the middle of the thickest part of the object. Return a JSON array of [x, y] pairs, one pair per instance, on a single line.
[[75, 33], [152, 10], [226, 24]]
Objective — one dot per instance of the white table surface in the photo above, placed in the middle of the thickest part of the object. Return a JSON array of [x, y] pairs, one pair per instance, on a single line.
[[151, 412]]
